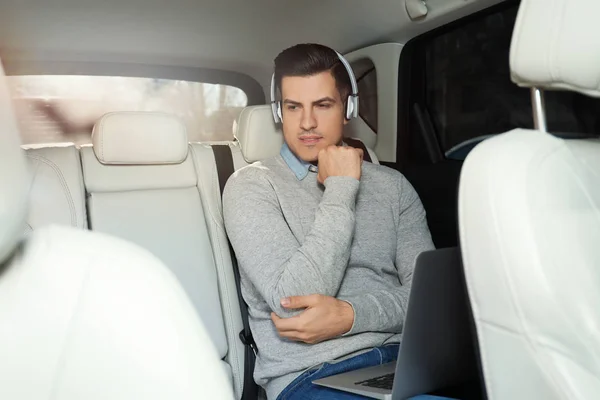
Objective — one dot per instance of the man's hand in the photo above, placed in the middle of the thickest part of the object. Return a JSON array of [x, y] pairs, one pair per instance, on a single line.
[[339, 161], [324, 318]]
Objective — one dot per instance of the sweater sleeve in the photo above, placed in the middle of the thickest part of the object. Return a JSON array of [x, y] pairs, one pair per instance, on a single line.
[[382, 310], [270, 256]]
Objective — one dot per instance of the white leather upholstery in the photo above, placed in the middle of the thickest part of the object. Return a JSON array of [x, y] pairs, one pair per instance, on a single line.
[[208, 186], [120, 178], [140, 138], [14, 182], [87, 316], [57, 194], [556, 45], [259, 137], [529, 218], [529, 222], [167, 221], [159, 208]]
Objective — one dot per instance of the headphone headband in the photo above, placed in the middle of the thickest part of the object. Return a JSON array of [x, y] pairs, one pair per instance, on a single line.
[[351, 105]]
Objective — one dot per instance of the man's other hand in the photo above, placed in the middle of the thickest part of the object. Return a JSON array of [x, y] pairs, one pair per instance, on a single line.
[[339, 161], [323, 318]]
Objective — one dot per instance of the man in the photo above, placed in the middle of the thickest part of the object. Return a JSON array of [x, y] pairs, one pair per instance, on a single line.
[[326, 243]]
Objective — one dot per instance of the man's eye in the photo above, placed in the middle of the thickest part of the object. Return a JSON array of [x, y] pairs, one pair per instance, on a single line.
[[326, 105], [291, 108]]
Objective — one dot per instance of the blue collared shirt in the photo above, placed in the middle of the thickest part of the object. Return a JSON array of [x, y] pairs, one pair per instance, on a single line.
[[299, 167]]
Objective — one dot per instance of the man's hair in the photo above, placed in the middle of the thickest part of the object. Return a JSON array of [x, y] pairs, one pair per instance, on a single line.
[[309, 59]]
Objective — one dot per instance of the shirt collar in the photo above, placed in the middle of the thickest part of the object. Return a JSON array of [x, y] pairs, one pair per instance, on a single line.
[[299, 167]]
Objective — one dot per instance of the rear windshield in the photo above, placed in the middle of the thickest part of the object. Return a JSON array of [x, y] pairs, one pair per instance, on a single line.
[[59, 108]]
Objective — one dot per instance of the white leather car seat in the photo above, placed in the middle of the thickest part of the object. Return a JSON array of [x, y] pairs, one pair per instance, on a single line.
[[56, 194], [529, 218], [87, 316], [142, 186]]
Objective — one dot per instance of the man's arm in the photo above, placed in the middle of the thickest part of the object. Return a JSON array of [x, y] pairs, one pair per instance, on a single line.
[[268, 253], [384, 311]]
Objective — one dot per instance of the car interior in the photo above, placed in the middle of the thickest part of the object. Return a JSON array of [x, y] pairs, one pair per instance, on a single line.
[[121, 122]]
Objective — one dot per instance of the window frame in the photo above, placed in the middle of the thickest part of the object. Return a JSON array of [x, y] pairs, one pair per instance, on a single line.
[[412, 86], [247, 84]]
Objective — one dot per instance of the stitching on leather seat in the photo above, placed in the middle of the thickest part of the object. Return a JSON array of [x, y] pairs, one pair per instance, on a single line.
[[63, 183]]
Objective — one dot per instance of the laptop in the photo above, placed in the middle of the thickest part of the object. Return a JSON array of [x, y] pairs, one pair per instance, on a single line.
[[438, 348]]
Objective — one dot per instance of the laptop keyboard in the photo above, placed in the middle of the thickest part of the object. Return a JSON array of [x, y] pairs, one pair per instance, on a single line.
[[380, 382]]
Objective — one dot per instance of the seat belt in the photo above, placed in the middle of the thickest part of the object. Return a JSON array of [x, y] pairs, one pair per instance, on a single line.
[[356, 143], [225, 168]]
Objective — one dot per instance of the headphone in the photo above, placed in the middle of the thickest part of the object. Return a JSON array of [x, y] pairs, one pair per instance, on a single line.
[[351, 106]]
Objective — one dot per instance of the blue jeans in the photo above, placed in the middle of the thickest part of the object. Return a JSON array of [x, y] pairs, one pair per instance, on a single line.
[[302, 387]]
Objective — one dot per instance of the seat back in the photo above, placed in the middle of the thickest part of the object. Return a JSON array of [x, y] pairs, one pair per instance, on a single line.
[[529, 218], [57, 194], [88, 316], [142, 186]]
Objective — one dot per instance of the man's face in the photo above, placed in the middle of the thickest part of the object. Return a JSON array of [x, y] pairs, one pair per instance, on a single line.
[[313, 114]]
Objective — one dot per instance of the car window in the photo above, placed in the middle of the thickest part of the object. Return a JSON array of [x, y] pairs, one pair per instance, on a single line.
[[366, 79], [60, 108], [466, 91]]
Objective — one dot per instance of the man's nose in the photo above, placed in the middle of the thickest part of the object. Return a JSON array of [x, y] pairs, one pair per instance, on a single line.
[[309, 122]]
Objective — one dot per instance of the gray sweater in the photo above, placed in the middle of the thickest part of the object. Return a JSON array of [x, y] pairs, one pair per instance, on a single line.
[[356, 241]]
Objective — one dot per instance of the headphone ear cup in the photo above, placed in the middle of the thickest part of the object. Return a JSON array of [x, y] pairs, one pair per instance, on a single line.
[[279, 112], [349, 108], [276, 111]]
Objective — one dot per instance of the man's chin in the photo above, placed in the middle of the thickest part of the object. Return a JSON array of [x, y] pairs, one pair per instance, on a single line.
[[309, 154], [310, 159]]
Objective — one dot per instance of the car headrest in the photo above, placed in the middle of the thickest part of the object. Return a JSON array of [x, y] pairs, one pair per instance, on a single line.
[[140, 138], [259, 137], [556, 45], [14, 177]]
